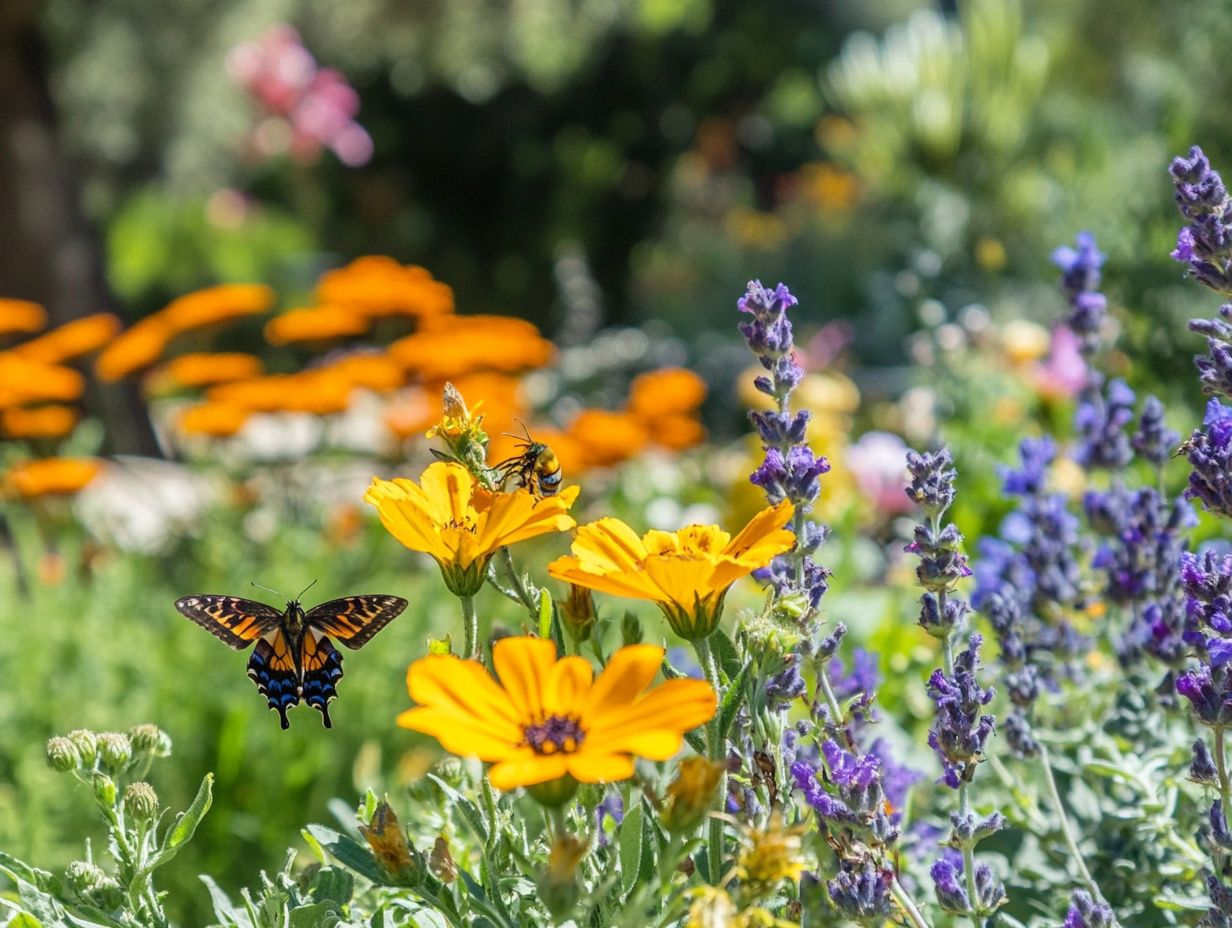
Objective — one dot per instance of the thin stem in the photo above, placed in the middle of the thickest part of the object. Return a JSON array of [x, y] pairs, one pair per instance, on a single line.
[[470, 628], [515, 581], [1221, 765], [908, 906], [968, 856], [714, 748], [1067, 833]]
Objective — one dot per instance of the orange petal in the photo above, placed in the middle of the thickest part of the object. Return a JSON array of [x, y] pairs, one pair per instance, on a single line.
[[463, 687], [609, 545], [628, 673], [523, 665], [587, 767], [567, 684], [465, 736], [674, 706], [527, 769], [764, 534], [630, 585]]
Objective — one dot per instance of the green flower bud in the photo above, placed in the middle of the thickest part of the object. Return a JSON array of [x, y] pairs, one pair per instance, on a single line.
[[630, 629], [150, 739], [553, 793], [104, 789], [62, 755], [83, 876], [557, 884], [578, 612], [141, 801], [107, 895], [115, 749], [86, 744]]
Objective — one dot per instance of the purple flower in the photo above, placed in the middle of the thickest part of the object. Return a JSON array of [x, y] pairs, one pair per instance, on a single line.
[[1085, 912], [863, 677], [959, 733], [861, 891], [932, 480], [947, 874], [1080, 276], [1205, 244], [1101, 420]]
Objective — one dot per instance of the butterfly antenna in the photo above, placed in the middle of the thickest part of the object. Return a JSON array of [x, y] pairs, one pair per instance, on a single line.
[[305, 590], [266, 588]]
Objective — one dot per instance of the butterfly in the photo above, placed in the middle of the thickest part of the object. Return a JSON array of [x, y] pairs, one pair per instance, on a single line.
[[293, 659]]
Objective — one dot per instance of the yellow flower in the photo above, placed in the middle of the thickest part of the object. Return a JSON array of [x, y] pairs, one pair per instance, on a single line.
[[712, 908], [548, 719], [691, 794], [769, 855], [687, 573], [449, 516], [51, 476], [21, 316]]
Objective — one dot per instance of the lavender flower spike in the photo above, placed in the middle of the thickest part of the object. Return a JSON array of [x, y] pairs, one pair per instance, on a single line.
[[1080, 276], [1205, 243]]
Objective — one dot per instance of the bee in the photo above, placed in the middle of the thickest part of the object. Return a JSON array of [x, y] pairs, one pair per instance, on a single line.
[[535, 468]]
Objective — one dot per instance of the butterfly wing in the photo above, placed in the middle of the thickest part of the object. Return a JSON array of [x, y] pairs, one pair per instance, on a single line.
[[321, 668], [272, 668], [238, 622], [353, 620]]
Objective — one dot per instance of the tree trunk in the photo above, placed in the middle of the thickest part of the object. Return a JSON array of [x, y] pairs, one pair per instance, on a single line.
[[48, 252]]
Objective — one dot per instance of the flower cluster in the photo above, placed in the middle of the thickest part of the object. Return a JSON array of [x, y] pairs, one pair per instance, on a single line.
[[1205, 243], [942, 561], [790, 469], [304, 107], [1080, 276]]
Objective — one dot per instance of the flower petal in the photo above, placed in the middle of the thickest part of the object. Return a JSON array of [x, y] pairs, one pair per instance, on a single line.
[[630, 671], [633, 585], [523, 665], [609, 545], [682, 578], [527, 769], [567, 684], [674, 706], [588, 767], [463, 735], [465, 688], [764, 537]]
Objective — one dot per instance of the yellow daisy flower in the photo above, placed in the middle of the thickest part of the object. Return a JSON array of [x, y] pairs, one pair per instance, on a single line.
[[548, 719], [460, 523], [687, 573]]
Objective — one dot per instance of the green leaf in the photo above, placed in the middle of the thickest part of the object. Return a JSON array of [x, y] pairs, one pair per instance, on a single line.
[[479, 901], [631, 840], [733, 699], [349, 852], [186, 825], [696, 742], [470, 812], [24, 920], [224, 911], [320, 915], [545, 614], [329, 884], [726, 654]]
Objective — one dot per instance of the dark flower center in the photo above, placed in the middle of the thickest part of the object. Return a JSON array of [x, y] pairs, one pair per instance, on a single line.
[[555, 735]]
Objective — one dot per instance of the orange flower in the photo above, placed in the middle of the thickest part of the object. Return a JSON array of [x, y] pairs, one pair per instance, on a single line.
[[23, 380], [676, 432], [669, 390], [380, 286], [368, 369], [549, 719], [607, 437], [205, 368], [446, 348], [137, 347], [43, 422], [318, 392], [214, 305], [21, 316], [71, 340], [214, 419], [51, 477], [315, 324]]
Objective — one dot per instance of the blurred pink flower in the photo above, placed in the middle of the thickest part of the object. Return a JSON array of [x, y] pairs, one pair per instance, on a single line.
[[305, 107], [1064, 372], [878, 461]]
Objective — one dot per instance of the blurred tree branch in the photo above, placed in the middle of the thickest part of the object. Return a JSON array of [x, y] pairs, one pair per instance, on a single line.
[[48, 252]]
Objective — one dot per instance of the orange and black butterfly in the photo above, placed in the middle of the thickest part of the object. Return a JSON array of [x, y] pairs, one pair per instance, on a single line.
[[293, 658]]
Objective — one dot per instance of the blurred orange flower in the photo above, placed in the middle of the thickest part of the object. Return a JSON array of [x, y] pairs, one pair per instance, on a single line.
[[669, 390], [676, 432], [42, 422], [319, 392], [376, 285], [137, 347], [449, 347], [71, 340], [213, 305], [607, 438], [51, 477], [205, 368], [216, 420], [21, 316], [315, 324], [367, 369], [23, 380]]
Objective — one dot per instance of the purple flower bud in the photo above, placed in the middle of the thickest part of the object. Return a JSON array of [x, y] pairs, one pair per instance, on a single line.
[[1085, 912], [861, 891]]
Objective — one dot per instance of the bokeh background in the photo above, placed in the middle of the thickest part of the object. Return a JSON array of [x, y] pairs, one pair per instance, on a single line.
[[611, 171]]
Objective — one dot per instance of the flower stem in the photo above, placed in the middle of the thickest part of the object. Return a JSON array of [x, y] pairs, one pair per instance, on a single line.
[[470, 628], [1221, 765], [515, 579], [714, 748], [1067, 833], [908, 906]]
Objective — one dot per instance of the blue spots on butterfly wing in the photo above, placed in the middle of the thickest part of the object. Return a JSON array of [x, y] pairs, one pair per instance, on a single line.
[[322, 664], [276, 682]]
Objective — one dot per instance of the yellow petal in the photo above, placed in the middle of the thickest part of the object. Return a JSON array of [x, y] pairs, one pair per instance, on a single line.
[[567, 684], [609, 545], [527, 769], [632, 585], [523, 665], [674, 706], [763, 537], [682, 579], [445, 682], [463, 735], [587, 767], [630, 671]]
